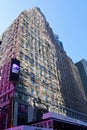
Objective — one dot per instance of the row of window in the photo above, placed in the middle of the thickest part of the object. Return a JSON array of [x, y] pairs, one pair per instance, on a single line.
[[35, 81], [36, 94], [26, 26], [32, 39], [50, 68], [48, 91], [38, 53]]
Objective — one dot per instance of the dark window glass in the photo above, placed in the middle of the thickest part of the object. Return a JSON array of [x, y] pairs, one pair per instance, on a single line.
[[37, 93], [26, 57], [36, 64], [32, 91], [27, 45], [36, 58], [32, 61], [31, 48], [41, 67], [32, 75], [46, 98], [31, 55], [41, 73]]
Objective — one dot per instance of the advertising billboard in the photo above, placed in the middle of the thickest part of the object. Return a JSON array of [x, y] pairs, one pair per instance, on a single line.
[[14, 70]]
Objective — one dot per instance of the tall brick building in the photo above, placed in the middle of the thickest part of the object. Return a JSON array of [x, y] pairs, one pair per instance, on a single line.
[[48, 80]]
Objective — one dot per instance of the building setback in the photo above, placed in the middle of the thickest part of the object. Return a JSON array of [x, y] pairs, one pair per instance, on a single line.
[[82, 67], [48, 80]]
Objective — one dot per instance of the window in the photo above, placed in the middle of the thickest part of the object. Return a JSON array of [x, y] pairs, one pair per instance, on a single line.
[[16, 94], [22, 28], [37, 77], [27, 31], [31, 39], [32, 82], [50, 67], [39, 44], [21, 54], [26, 57], [31, 55], [20, 96], [24, 97], [20, 77], [45, 70], [36, 58], [43, 50], [26, 71], [41, 67], [36, 64], [26, 64], [32, 61], [32, 91], [37, 85], [37, 71], [27, 45], [25, 87], [31, 48], [22, 42], [40, 73], [25, 79], [46, 98], [20, 85], [37, 93], [32, 68], [32, 75]]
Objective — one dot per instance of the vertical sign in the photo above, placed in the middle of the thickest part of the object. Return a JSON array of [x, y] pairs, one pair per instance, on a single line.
[[14, 70]]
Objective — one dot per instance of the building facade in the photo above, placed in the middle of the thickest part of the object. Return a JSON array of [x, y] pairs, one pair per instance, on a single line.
[[82, 67], [42, 84]]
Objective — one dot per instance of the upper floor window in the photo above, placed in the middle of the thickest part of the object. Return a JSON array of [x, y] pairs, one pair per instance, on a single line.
[[36, 64], [31, 55], [46, 98], [32, 61], [32, 91], [41, 67], [27, 45], [32, 75], [31, 48], [37, 93], [26, 57]]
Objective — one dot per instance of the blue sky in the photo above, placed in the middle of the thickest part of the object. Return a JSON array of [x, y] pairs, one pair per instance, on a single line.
[[68, 19]]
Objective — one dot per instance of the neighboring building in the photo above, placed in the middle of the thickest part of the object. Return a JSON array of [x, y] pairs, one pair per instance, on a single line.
[[82, 67], [72, 90], [69, 80], [47, 81]]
